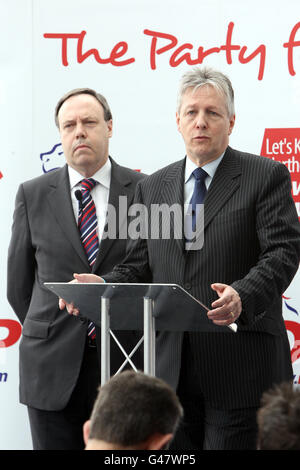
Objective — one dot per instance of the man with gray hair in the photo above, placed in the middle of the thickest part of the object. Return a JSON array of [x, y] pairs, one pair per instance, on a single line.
[[133, 411], [249, 256]]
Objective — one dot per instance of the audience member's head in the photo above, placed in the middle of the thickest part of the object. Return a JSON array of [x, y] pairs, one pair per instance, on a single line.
[[279, 419], [133, 411]]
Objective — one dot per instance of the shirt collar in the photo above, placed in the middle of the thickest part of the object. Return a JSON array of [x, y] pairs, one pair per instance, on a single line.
[[102, 176], [210, 167]]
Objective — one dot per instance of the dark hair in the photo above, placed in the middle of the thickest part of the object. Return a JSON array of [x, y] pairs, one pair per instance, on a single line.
[[84, 91], [278, 419], [131, 407]]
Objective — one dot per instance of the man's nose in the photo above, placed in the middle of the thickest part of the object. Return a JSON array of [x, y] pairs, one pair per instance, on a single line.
[[80, 130], [201, 121]]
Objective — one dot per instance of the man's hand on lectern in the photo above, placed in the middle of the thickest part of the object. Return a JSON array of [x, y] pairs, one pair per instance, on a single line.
[[82, 278]]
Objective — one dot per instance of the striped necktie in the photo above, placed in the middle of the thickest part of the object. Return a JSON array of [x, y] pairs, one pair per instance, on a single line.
[[87, 224]]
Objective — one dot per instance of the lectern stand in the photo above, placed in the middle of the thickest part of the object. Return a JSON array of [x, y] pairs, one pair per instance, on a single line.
[[145, 307]]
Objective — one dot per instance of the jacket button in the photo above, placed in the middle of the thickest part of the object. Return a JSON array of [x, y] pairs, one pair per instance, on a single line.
[[187, 286]]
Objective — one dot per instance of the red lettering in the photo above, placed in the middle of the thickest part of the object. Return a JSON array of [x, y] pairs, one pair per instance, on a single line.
[[295, 330], [228, 46], [118, 51], [290, 47], [183, 53], [83, 56], [260, 50], [186, 57], [154, 51], [202, 54], [14, 332], [64, 38], [177, 57]]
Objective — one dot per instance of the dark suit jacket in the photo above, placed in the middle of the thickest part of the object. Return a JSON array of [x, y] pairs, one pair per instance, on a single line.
[[46, 247], [252, 242]]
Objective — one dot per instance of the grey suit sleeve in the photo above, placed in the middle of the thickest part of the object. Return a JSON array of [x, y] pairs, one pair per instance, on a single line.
[[21, 261], [278, 231], [135, 267]]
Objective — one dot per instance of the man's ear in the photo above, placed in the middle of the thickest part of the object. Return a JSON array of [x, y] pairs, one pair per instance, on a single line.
[[178, 121], [110, 127], [157, 441], [231, 124], [86, 431]]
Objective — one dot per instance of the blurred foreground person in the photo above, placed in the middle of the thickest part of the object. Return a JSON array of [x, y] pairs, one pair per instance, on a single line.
[[133, 411], [279, 419]]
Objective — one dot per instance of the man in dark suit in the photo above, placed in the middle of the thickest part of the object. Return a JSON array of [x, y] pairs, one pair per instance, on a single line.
[[59, 370], [250, 253]]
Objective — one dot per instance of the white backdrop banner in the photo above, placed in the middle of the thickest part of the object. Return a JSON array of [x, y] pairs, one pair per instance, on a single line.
[[134, 53]]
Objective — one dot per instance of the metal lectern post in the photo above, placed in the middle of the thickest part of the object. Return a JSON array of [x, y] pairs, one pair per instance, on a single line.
[[149, 337], [105, 340], [167, 307]]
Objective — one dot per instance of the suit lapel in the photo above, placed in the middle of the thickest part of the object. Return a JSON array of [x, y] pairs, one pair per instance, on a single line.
[[223, 185], [225, 182], [173, 193], [59, 199], [121, 185]]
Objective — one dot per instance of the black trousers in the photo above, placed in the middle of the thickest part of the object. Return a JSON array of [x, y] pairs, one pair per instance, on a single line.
[[204, 426], [63, 430]]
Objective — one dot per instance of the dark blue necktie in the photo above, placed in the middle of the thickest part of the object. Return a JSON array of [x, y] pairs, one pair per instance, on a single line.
[[197, 197]]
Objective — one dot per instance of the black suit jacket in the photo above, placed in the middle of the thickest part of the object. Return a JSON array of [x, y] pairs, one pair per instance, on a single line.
[[252, 242], [45, 247]]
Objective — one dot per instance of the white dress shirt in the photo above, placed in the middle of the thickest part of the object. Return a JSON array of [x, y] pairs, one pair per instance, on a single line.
[[99, 193]]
